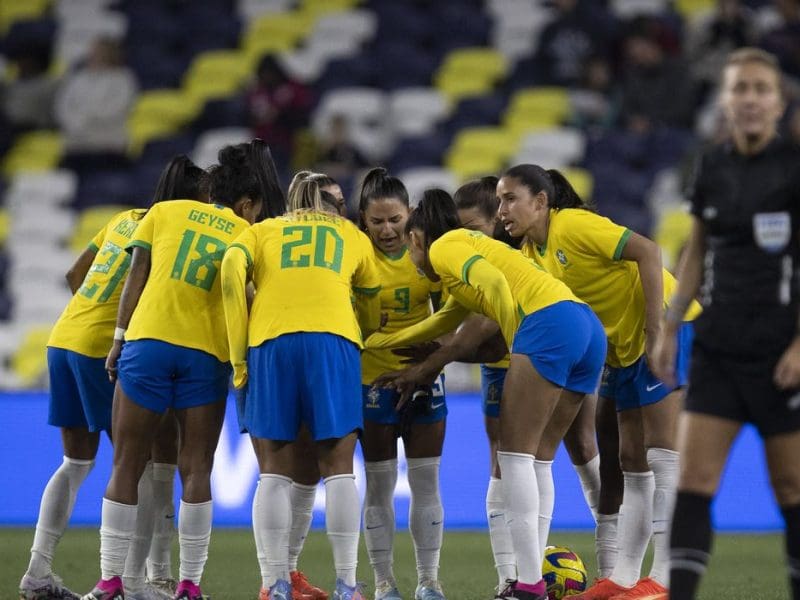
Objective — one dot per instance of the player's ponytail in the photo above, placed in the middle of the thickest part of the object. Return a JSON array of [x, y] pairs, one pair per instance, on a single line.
[[305, 194], [379, 184], [235, 177], [435, 215], [181, 179], [479, 193], [560, 194], [274, 203]]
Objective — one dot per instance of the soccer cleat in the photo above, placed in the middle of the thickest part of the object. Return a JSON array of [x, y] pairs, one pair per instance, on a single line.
[[345, 592], [47, 588], [644, 588], [387, 590], [147, 592], [602, 589], [280, 590], [510, 592], [661, 596], [429, 590], [166, 584], [188, 590], [107, 589], [302, 589]]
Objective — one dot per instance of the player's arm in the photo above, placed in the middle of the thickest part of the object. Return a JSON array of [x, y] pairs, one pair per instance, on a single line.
[[77, 272], [443, 321], [492, 284], [131, 292], [366, 287], [368, 310], [235, 264]]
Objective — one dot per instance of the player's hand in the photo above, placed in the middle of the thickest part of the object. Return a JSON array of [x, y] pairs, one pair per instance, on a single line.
[[405, 382], [111, 360], [787, 371], [240, 376], [417, 353], [661, 359]]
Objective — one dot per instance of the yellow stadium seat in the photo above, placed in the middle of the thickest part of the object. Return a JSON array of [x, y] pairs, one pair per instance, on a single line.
[[217, 74], [20, 10], [257, 45], [467, 165], [29, 362], [4, 222], [672, 232], [323, 7], [581, 180], [455, 86], [158, 113], [496, 141], [296, 24], [89, 223], [35, 151], [691, 8], [475, 62], [522, 123], [552, 101]]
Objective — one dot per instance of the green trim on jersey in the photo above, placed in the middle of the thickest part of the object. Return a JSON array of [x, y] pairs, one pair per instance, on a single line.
[[465, 269], [246, 253], [621, 245]]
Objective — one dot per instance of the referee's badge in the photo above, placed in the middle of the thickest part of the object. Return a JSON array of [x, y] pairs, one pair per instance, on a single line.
[[772, 231]]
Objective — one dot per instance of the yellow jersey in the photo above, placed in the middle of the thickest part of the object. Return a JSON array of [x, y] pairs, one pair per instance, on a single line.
[[87, 324], [304, 266], [182, 300], [406, 299], [584, 251], [524, 289]]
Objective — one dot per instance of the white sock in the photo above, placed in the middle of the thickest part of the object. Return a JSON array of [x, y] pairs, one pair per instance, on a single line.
[[134, 576], [342, 521], [499, 534], [547, 499], [664, 464], [159, 559], [605, 539], [194, 535], [635, 527], [116, 530], [257, 526], [273, 505], [55, 509], [426, 515], [521, 494], [589, 474], [302, 501], [379, 517]]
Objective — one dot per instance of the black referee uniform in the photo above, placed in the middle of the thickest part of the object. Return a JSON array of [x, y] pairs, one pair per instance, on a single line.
[[750, 209]]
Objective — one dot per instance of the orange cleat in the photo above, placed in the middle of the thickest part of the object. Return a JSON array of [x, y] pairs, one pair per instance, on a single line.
[[643, 590], [602, 589], [302, 589]]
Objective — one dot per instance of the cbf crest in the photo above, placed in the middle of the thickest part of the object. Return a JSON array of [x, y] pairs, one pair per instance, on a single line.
[[373, 397], [562, 258], [772, 231]]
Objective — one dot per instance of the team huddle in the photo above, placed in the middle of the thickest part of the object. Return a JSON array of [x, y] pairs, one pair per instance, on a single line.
[[582, 335]]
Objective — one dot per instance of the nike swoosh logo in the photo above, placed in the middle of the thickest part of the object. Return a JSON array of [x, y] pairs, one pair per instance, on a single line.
[[650, 388], [435, 406], [374, 526], [436, 522], [497, 515]]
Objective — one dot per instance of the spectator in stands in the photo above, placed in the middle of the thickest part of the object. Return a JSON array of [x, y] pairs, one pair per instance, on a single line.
[[581, 30], [277, 107], [339, 156], [596, 101], [656, 90], [784, 41], [28, 100], [92, 108], [711, 38]]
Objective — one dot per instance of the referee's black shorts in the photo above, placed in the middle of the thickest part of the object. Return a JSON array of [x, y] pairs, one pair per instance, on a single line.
[[741, 389]]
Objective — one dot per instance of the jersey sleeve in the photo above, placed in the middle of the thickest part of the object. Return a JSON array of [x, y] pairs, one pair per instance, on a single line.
[[595, 235], [439, 323], [453, 257], [366, 280], [235, 265], [97, 241], [143, 236], [493, 286], [694, 189]]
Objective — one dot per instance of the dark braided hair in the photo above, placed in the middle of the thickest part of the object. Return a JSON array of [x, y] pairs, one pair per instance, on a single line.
[[180, 179], [435, 215]]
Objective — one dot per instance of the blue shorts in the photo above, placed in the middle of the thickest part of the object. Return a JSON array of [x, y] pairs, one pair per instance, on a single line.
[[379, 404], [158, 375], [80, 393], [492, 380], [304, 377], [566, 344], [635, 386]]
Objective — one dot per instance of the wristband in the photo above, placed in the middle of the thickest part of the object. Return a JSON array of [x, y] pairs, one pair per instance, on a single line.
[[119, 334]]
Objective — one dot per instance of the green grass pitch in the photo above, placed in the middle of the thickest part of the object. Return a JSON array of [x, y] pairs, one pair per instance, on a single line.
[[743, 566]]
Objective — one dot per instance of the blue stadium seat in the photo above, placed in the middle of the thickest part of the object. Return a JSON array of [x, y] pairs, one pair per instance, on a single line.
[[107, 187], [426, 150], [225, 112]]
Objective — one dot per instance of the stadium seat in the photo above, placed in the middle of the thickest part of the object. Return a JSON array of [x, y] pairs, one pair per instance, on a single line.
[[20, 10], [29, 362], [581, 180], [469, 166], [486, 140], [35, 151], [552, 148], [76, 34], [415, 111], [537, 106], [627, 9], [470, 72], [45, 189], [217, 74], [419, 179], [252, 9], [357, 24], [4, 226], [209, 144], [671, 233], [89, 223], [28, 222], [159, 113]]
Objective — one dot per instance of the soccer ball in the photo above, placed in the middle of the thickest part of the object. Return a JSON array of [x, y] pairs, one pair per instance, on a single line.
[[563, 572]]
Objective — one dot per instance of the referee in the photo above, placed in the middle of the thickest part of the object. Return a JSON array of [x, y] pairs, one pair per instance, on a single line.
[[741, 259]]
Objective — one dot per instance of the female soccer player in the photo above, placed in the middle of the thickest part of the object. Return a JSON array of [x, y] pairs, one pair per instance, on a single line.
[[80, 393], [407, 297], [175, 356], [619, 274], [557, 350], [302, 367], [741, 259]]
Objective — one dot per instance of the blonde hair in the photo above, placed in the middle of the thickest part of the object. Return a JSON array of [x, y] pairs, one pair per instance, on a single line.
[[305, 193], [749, 54]]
